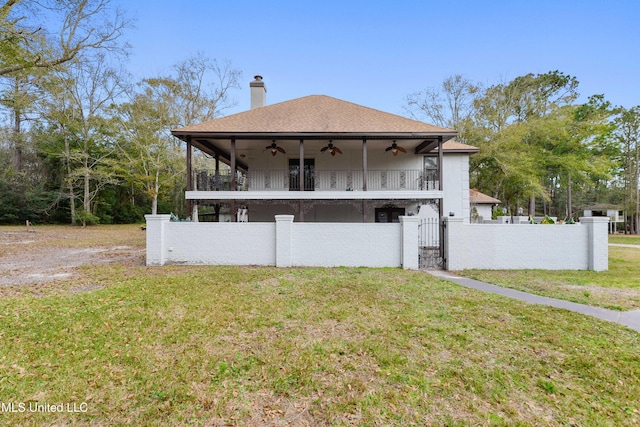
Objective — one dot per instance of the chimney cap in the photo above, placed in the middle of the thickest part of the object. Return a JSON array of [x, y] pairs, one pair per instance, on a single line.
[[257, 82]]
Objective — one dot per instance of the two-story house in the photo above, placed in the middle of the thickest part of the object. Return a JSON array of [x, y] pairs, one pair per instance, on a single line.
[[322, 170], [322, 159]]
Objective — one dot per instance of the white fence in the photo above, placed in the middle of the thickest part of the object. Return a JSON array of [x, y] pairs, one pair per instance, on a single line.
[[283, 243], [582, 246]]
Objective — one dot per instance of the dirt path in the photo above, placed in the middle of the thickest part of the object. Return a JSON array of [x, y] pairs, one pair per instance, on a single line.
[[48, 254]]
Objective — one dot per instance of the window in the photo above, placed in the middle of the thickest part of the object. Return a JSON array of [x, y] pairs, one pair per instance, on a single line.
[[294, 174]]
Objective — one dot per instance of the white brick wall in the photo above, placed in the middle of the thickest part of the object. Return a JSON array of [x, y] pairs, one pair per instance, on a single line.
[[346, 244], [283, 243], [582, 246]]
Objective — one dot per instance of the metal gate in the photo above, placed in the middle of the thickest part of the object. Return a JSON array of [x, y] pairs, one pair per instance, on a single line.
[[430, 244]]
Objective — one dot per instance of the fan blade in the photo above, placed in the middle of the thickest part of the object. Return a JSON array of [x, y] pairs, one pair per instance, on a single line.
[[323, 149], [280, 149], [267, 147], [273, 152], [333, 152], [337, 149], [402, 149], [395, 152], [389, 149]]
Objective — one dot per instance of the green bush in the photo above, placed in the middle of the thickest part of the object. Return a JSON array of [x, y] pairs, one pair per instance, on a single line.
[[87, 218]]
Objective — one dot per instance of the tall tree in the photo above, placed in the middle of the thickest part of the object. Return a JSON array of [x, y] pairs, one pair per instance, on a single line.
[[504, 124], [81, 112], [149, 158], [46, 33], [197, 91], [627, 134]]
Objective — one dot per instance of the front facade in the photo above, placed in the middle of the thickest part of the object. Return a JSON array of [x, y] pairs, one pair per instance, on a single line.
[[321, 159]]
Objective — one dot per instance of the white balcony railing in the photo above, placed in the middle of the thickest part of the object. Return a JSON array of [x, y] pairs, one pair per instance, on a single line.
[[344, 180], [259, 180]]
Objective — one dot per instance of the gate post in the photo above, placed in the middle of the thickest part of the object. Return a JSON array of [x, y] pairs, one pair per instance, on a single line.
[[453, 240]]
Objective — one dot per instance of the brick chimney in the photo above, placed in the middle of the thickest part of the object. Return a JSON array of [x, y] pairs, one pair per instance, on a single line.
[[258, 93]]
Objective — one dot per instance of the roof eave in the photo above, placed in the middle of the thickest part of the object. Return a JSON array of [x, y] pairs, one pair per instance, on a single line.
[[312, 135], [459, 150]]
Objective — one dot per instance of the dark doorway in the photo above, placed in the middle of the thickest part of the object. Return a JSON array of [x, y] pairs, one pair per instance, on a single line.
[[389, 214]]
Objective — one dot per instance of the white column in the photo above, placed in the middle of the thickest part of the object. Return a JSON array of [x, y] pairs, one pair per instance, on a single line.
[[598, 242], [409, 246], [284, 240], [156, 242]]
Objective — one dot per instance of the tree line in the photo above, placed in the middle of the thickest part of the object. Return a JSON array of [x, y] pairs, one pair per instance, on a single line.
[[541, 151], [83, 142]]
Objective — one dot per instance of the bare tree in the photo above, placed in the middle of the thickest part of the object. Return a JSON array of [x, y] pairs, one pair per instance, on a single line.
[[448, 105], [72, 26], [198, 91]]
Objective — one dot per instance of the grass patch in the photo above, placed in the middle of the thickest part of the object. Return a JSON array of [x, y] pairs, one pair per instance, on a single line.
[[208, 346], [618, 288], [265, 346], [625, 239]]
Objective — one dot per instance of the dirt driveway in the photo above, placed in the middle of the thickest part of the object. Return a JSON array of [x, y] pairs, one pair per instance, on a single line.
[[50, 254]]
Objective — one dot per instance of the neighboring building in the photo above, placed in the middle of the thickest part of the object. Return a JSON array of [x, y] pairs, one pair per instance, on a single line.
[[614, 212], [481, 205]]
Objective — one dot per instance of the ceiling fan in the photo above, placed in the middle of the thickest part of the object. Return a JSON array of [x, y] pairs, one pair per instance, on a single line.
[[274, 148], [332, 149], [394, 148]]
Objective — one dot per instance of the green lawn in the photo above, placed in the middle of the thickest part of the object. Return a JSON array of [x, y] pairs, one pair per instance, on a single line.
[[626, 239], [212, 346], [618, 288]]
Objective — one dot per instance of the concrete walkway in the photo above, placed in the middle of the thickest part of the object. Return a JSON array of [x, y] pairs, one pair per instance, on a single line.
[[627, 318]]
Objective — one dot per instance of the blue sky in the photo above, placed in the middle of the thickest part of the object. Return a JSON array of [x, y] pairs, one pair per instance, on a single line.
[[375, 53]]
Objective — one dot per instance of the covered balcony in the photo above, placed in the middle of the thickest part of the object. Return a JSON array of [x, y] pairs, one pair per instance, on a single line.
[[325, 180]]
